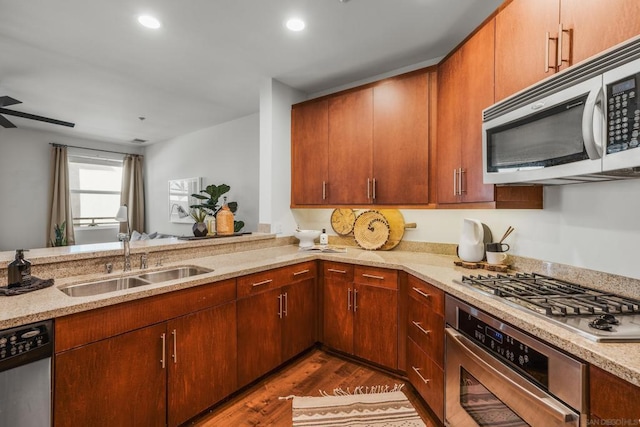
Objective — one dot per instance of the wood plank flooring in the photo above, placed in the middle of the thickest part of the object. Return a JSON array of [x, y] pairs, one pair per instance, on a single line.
[[259, 405]]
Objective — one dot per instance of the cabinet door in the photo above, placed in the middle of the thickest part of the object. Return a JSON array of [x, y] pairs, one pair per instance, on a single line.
[[258, 335], [350, 147], [449, 122], [299, 319], [375, 332], [201, 361], [118, 381], [521, 44], [612, 398], [309, 153], [401, 141], [338, 314], [476, 82], [597, 25]]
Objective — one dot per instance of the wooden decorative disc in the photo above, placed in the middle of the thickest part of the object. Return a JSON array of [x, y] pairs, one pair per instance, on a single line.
[[371, 230], [342, 221]]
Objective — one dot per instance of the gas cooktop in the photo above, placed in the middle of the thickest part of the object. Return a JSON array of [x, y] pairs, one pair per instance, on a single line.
[[597, 315]]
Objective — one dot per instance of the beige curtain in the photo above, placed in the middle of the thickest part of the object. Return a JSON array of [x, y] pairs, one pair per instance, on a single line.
[[59, 199], [133, 193]]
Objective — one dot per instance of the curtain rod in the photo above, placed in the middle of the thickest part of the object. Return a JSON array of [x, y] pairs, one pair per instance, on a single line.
[[94, 149]]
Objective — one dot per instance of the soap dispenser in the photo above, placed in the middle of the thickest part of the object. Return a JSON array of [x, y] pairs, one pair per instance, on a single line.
[[324, 238], [19, 271]]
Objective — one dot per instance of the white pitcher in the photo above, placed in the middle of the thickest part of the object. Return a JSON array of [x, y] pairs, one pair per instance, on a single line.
[[471, 247]]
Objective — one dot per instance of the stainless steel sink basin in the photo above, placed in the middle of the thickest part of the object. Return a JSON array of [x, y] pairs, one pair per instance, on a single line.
[[103, 286], [120, 283], [174, 273]]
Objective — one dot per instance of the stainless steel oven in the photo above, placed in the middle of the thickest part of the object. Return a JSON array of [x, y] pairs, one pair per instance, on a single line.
[[496, 374]]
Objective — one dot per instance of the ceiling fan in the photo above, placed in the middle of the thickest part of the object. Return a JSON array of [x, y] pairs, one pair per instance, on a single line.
[[6, 101]]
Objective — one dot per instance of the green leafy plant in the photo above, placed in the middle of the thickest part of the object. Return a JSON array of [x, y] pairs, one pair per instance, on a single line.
[[211, 202], [61, 237], [198, 214]]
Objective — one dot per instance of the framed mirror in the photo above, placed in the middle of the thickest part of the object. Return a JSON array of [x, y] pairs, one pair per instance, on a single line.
[[180, 191]]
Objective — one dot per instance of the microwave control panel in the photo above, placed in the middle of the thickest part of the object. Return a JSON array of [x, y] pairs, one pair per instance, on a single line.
[[623, 114]]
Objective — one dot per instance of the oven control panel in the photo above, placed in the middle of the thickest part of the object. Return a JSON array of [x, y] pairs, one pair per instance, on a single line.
[[25, 341], [528, 361]]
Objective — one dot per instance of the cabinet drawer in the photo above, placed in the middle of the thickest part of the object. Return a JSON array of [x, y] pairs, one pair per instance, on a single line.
[[427, 294], [380, 277], [426, 328], [276, 278], [426, 377], [337, 271]]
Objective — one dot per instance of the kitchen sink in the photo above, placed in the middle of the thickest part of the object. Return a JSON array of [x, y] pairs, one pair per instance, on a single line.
[[120, 283], [103, 286], [174, 273]]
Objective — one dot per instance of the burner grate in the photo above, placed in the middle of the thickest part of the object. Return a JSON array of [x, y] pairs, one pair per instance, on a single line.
[[550, 296]]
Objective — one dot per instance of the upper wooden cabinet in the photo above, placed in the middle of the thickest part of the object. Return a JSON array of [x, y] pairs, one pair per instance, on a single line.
[[364, 146], [536, 38]]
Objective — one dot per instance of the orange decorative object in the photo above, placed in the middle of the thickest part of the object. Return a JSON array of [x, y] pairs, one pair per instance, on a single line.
[[224, 220]]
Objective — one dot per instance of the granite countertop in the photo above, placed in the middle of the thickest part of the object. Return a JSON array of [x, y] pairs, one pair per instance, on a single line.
[[621, 359]]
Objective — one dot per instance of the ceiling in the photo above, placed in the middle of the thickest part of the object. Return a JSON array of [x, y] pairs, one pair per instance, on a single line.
[[91, 63]]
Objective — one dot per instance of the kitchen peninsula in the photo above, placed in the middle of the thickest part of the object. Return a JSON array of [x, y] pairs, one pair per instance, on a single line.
[[256, 255]]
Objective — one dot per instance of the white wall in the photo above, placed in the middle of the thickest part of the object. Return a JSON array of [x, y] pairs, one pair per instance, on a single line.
[[594, 225], [24, 183], [222, 154], [275, 155]]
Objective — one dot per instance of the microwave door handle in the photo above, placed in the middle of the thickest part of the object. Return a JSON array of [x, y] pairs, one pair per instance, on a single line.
[[473, 352], [592, 123]]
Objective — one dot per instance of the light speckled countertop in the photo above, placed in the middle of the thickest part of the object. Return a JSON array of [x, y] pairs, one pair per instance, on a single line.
[[621, 359]]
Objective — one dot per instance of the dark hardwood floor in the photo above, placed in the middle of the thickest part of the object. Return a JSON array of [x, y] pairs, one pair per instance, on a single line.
[[260, 404]]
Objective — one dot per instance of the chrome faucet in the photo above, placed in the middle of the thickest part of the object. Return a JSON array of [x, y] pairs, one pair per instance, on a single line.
[[143, 261], [124, 238]]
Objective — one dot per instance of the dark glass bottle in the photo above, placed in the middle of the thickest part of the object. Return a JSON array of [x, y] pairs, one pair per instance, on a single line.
[[19, 271]]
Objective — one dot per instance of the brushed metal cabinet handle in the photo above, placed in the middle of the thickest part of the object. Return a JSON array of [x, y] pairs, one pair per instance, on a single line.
[[355, 300], [264, 282], [297, 273], [280, 306], [349, 299], [324, 190], [371, 276], [421, 292], [462, 189], [163, 338], [175, 346], [286, 304], [455, 182], [332, 270], [561, 60], [374, 188], [417, 370], [368, 189], [419, 326], [547, 40]]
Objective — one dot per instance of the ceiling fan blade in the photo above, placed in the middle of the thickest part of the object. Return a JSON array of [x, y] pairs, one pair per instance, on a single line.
[[6, 123], [5, 101], [34, 117]]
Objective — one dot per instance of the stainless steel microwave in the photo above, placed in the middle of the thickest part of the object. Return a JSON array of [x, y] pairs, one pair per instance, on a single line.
[[581, 125]]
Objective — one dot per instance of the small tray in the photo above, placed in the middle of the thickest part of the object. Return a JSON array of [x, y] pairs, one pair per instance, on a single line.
[[501, 268]]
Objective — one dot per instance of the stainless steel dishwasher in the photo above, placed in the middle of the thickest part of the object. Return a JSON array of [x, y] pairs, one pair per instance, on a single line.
[[25, 375]]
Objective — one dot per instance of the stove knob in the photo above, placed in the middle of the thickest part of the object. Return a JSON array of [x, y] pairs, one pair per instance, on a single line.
[[521, 360]]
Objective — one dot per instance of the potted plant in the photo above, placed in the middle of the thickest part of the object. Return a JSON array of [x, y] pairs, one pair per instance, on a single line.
[[199, 228], [61, 236], [211, 202]]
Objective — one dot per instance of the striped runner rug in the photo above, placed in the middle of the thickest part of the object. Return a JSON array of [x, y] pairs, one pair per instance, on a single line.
[[365, 406]]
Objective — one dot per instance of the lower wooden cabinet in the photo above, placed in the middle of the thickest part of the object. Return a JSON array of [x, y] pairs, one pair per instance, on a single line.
[[360, 312], [277, 318], [425, 343], [612, 399], [156, 375]]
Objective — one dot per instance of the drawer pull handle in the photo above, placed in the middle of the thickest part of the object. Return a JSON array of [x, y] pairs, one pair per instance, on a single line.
[[424, 380], [371, 276], [163, 338], [264, 282], [332, 270], [349, 299], [355, 300], [421, 292], [419, 326], [297, 273], [175, 347]]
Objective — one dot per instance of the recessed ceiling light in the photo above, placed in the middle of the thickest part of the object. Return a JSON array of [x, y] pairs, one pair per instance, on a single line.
[[295, 24], [149, 21]]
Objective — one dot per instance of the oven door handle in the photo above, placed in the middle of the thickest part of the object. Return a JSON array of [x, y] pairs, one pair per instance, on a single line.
[[472, 351]]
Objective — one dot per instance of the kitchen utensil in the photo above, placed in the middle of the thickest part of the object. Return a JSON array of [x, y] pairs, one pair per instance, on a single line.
[[497, 247], [396, 227], [496, 257], [371, 230], [471, 247], [506, 234], [306, 237], [342, 221]]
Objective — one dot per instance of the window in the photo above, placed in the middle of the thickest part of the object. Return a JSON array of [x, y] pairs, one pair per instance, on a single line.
[[94, 184]]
